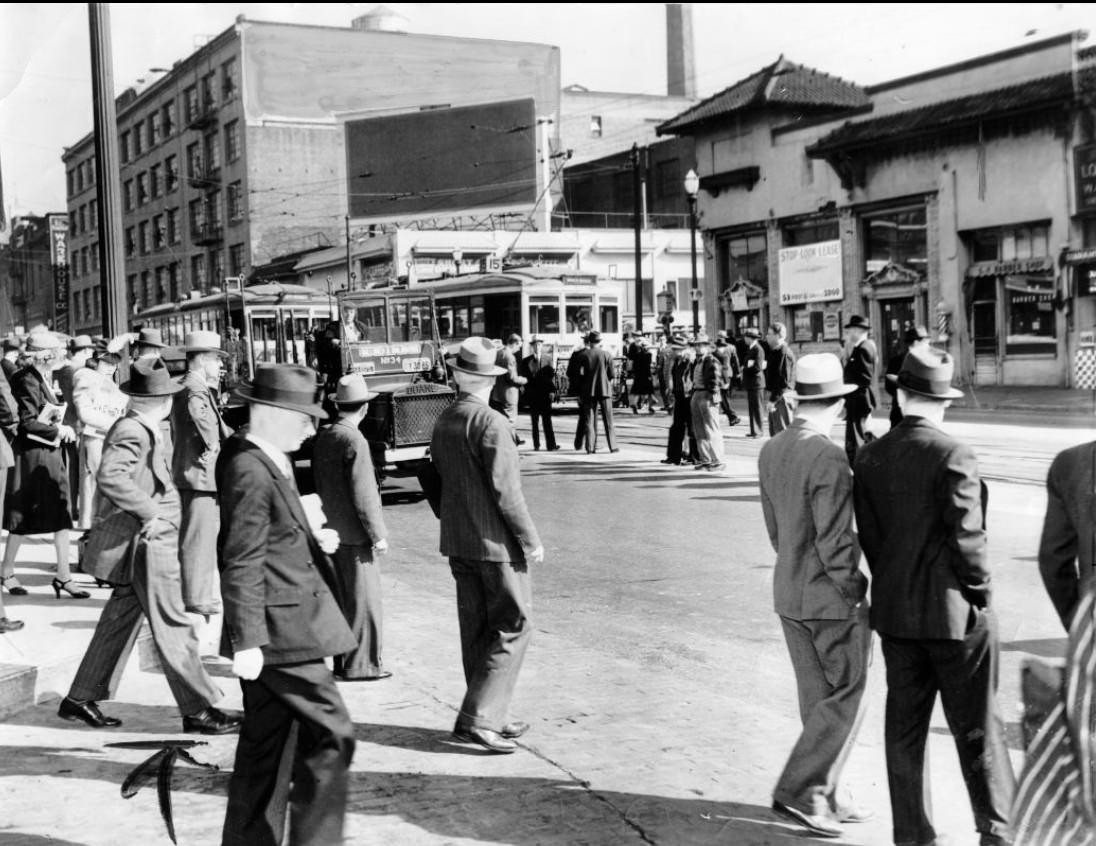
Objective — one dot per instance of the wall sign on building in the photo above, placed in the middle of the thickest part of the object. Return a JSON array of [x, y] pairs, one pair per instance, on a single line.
[[811, 273], [1084, 159], [58, 259]]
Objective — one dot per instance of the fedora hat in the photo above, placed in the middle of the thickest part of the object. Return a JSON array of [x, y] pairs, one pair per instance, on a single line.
[[820, 376], [149, 378], [81, 342], [351, 390], [751, 332], [678, 342], [289, 386], [700, 340], [916, 333], [38, 341], [149, 338], [476, 356], [858, 322], [12, 344], [928, 373], [593, 336], [203, 341]]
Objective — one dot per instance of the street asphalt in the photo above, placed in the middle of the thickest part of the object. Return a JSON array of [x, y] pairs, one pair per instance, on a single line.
[[657, 685]]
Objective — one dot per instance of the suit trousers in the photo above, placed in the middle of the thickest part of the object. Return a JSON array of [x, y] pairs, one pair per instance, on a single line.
[[494, 599], [855, 435], [725, 407], [91, 456], [605, 406], [580, 425], [780, 418], [709, 437], [292, 758], [358, 578], [830, 659], [753, 404], [201, 521], [542, 415], [965, 675], [681, 427], [154, 594]]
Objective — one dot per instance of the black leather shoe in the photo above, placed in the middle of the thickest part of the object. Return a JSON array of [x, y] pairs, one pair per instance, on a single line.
[[210, 721], [514, 728], [88, 711], [554, 448], [383, 674], [492, 741]]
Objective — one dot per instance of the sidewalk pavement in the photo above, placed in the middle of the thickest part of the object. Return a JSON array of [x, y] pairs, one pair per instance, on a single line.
[[1033, 399]]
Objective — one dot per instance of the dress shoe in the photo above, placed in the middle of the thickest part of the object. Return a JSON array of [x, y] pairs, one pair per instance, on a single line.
[[210, 721], [816, 824], [615, 449], [13, 586], [88, 711], [492, 741], [854, 814], [383, 674], [554, 448], [669, 461], [7, 625], [514, 728], [713, 467]]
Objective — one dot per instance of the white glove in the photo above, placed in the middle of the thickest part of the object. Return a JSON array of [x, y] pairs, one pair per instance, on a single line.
[[248, 663], [328, 539], [67, 433], [536, 556], [381, 546]]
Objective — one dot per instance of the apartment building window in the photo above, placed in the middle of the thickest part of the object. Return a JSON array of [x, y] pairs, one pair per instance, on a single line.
[[131, 244], [198, 278], [209, 93], [155, 128], [79, 177], [169, 118], [93, 215], [171, 173], [94, 250], [127, 195], [156, 180], [173, 278], [163, 285], [214, 213], [82, 219], [142, 237], [235, 202], [236, 259], [78, 307], [212, 151], [229, 83], [90, 179], [138, 140], [70, 182], [173, 235], [197, 215], [131, 290], [123, 146], [72, 222], [159, 231], [595, 126], [142, 188], [190, 98], [232, 141], [217, 264], [194, 161]]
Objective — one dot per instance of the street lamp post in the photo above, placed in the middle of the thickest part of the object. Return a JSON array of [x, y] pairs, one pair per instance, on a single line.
[[692, 185]]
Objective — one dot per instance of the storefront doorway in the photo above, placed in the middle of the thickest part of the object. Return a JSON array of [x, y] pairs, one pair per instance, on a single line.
[[896, 316], [984, 332]]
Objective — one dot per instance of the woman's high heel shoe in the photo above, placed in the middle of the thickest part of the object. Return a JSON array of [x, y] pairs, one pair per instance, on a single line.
[[15, 589], [59, 586]]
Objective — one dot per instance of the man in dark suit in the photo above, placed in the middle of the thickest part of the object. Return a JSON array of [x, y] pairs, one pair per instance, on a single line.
[[329, 345], [347, 486], [597, 386], [806, 498], [860, 371], [919, 512], [199, 432], [12, 347], [731, 371], [753, 379], [490, 539], [135, 547], [681, 386], [281, 621], [540, 386], [1067, 550], [578, 368], [504, 396], [779, 378]]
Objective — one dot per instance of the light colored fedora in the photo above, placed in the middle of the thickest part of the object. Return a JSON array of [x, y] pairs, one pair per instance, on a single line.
[[203, 341], [476, 356], [351, 390], [819, 376]]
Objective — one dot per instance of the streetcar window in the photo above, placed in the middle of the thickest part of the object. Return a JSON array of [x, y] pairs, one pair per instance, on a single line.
[[579, 316], [608, 315], [543, 319]]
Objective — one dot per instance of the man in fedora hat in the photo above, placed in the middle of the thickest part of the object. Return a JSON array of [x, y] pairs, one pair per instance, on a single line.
[[920, 514], [135, 547], [504, 397], [199, 432], [80, 350], [681, 386], [704, 403], [753, 378], [807, 502], [597, 392], [578, 366], [490, 539], [860, 359], [281, 619], [12, 346], [540, 387], [347, 486], [914, 338]]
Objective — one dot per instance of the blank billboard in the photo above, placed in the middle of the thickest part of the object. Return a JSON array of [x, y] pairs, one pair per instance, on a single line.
[[442, 161]]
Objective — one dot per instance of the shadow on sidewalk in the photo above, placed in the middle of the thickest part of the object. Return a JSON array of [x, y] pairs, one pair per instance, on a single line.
[[19, 838]]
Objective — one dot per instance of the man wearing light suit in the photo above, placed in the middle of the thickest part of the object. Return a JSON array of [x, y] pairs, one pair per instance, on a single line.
[[135, 547], [1067, 551], [919, 510], [806, 497], [490, 539], [281, 621]]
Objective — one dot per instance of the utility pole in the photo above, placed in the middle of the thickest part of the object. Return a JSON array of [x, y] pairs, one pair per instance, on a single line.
[[638, 222], [349, 273], [112, 267]]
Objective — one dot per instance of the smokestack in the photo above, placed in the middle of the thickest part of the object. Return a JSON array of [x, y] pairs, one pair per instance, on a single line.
[[680, 71]]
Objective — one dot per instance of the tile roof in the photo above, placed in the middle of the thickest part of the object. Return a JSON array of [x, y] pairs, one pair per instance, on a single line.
[[1026, 96], [782, 83]]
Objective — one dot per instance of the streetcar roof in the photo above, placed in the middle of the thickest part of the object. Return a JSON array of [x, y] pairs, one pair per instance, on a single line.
[[264, 293]]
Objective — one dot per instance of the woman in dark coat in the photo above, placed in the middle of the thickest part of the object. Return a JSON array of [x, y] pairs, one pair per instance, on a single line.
[[643, 385], [38, 502]]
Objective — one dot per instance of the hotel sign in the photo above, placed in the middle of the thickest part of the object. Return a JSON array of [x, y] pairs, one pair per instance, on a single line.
[[58, 258], [1084, 160]]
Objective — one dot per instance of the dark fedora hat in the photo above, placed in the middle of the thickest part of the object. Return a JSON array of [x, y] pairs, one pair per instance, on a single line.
[[593, 337], [928, 373], [289, 386], [476, 356], [915, 334], [149, 378], [858, 322]]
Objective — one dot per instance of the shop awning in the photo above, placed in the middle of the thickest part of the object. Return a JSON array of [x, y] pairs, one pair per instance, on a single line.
[[1041, 265]]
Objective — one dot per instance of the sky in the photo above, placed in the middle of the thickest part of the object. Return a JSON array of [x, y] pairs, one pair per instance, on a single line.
[[45, 66]]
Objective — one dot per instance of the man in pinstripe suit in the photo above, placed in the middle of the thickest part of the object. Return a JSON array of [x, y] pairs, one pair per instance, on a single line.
[[135, 546], [490, 539]]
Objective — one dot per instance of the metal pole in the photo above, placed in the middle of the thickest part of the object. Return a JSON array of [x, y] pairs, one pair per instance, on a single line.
[[638, 223], [112, 268], [349, 274], [692, 253]]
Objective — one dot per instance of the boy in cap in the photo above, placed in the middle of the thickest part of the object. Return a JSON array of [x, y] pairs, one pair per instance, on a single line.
[[347, 486], [807, 501]]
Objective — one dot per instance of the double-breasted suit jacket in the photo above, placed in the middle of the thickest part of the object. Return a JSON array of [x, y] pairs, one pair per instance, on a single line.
[[275, 581], [199, 431], [1067, 550], [134, 486], [919, 512], [346, 484]]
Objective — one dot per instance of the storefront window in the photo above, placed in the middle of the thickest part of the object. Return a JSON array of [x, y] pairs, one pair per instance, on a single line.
[[747, 258], [811, 233], [899, 237], [1031, 317]]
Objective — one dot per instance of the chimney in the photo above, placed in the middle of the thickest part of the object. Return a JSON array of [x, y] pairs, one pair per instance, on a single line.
[[680, 72]]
